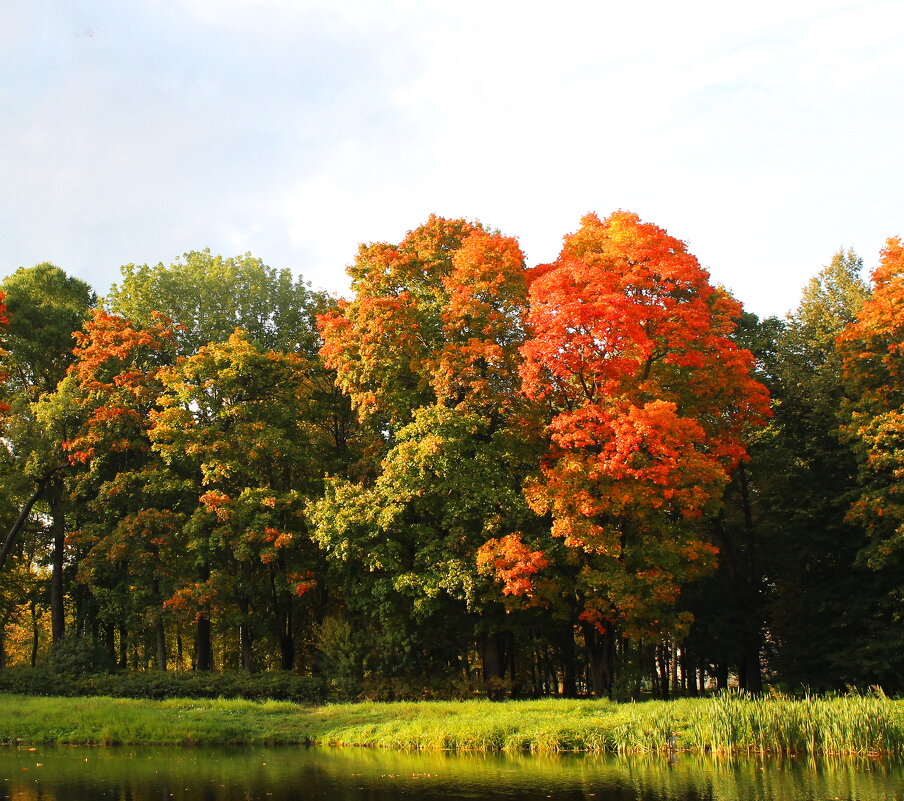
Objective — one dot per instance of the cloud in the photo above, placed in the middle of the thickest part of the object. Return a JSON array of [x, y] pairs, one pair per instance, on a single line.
[[299, 129]]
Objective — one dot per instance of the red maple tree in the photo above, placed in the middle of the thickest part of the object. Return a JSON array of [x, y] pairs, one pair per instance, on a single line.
[[650, 397]]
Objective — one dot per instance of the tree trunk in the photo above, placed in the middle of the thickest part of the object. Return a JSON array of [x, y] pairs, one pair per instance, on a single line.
[[663, 670], [160, 638], [601, 658], [2, 645], [246, 636], [497, 651], [123, 647], [24, 512], [159, 628], [203, 644], [35, 633], [286, 637], [690, 674], [286, 650], [493, 653], [722, 677], [110, 641], [749, 669], [510, 663], [673, 665], [753, 636], [546, 682], [180, 664], [534, 674], [569, 671], [57, 592], [246, 643]]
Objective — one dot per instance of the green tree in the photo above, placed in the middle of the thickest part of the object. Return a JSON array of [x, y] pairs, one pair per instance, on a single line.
[[872, 349], [825, 617], [235, 420], [207, 297], [45, 308], [730, 606]]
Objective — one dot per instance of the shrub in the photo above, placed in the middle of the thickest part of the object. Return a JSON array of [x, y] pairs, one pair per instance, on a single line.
[[75, 656], [277, 686]]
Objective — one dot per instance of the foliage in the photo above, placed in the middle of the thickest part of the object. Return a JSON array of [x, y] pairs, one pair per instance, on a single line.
[[272, 685], [873, 352], [832, 620], [435, 319], [630, 346], [76, 656], [467, 478], [234, 421], [208, 297], [427, 350], [44, 306], [128, 546]]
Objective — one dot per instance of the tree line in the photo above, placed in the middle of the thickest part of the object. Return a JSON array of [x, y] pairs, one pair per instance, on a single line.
[[598, 475]]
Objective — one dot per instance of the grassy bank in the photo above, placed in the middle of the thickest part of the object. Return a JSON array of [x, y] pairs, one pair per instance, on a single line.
[[850, 725]]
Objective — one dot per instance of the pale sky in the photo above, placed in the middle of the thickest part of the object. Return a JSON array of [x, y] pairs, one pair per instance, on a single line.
[[766, 135]]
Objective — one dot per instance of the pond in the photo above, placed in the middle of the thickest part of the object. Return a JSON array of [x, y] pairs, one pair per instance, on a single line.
[[281, 774]]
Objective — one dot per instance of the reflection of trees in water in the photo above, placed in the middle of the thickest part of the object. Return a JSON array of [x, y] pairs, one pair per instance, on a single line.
[[284, 774]]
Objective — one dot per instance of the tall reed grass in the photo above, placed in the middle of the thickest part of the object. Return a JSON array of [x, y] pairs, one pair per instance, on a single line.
[[729, 723], [850, 724]]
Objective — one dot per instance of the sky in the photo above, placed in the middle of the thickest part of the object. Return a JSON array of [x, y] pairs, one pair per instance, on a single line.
[[765, 135]]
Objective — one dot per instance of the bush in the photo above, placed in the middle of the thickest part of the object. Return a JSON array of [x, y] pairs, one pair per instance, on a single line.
[[76, 656], [434, 687], [159, 685]]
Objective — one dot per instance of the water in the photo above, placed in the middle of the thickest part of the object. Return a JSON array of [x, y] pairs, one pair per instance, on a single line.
[[291, 774]]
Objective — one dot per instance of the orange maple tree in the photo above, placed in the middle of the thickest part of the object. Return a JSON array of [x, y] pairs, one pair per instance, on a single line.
[[115, 373], [872, 349], [630, 347], [511, 562], [129, 543]]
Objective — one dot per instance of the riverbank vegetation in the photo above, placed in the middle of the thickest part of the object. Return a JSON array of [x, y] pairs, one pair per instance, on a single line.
[[865, 725], [597, 476]]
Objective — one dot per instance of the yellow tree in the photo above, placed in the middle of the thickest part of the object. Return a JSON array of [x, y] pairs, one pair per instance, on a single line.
[[427, 350]]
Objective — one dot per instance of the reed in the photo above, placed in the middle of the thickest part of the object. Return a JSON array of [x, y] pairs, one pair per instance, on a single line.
[[729, 723]]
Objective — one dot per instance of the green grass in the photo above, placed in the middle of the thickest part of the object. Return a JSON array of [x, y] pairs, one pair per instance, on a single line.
[[725, 724]]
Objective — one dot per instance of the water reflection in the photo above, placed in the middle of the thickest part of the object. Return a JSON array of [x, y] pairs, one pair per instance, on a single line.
[[289, 774]]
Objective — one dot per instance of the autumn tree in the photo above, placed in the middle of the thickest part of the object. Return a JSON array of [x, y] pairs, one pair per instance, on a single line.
[[129, 541], [427, 350], [630, 346], [872, 350], [236, 422]]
